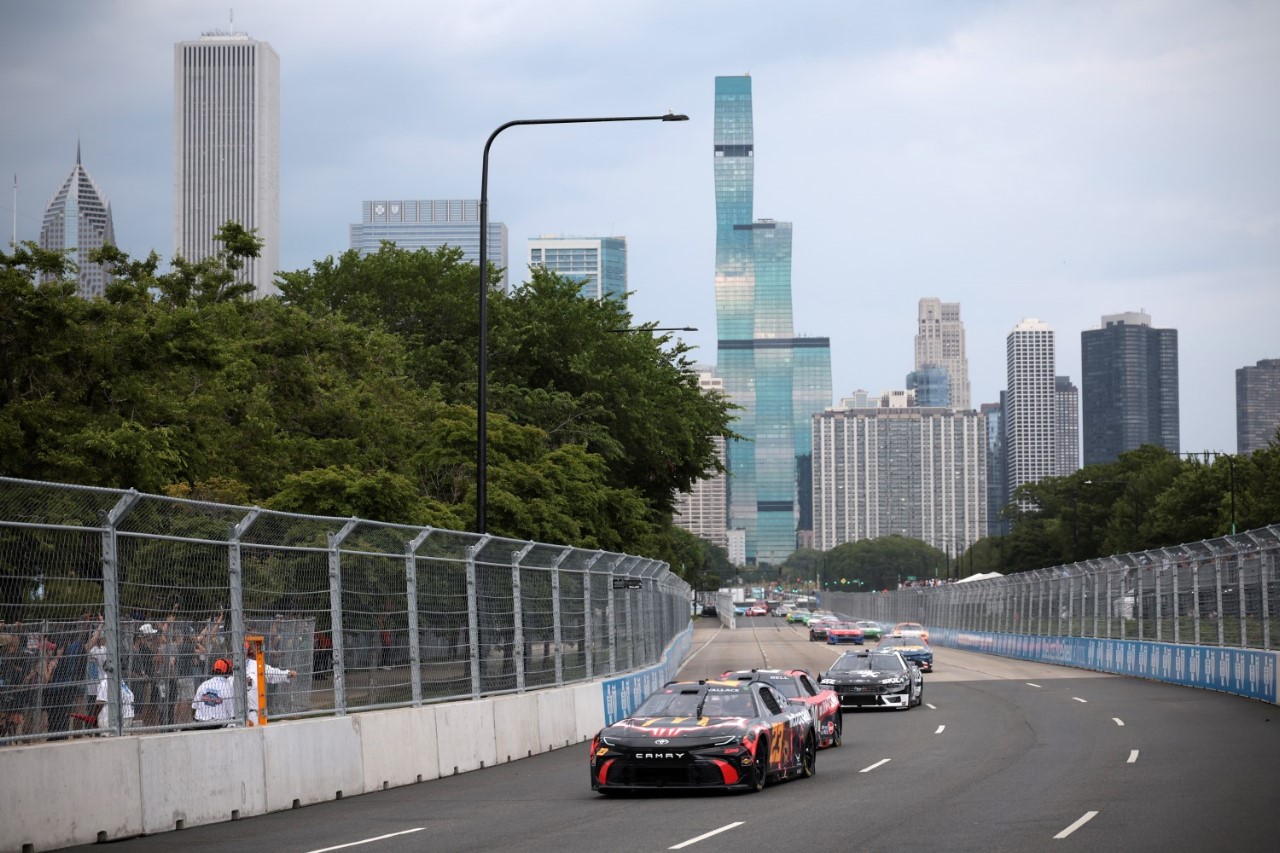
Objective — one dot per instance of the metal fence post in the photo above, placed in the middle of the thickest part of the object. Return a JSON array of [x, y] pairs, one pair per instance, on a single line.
[[235, 593], [1263, 590], [1177, 614], [557, 635], [111, 602], [411, 593], [610, 616], [335, 616], [1159, 608], [517, 614], [1244, 616], [588, 617], [1195, 601], [473, 614], [1217, 585]]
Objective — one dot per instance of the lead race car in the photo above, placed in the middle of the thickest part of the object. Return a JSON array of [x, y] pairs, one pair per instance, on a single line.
[[800, 688], [874, 679], [731, 735]]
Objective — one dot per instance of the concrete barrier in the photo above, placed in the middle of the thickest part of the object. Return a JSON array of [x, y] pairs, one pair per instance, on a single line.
[[464, 735], [312, 761], [398, 747], [189, 780], [588, 709], [557, 721], [515, 727]]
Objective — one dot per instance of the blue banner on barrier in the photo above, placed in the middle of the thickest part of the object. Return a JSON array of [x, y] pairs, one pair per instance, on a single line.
[[623, 694], [1244, 672]]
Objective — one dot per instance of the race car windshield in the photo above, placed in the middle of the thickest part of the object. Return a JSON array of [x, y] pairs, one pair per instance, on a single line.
[[787, 687], [891, 642], [673, 704], [727, 705], [858, 663]]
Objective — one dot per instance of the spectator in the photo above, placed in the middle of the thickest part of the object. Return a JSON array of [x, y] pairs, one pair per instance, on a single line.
[[215, 698], [274, 675], [142, 671], [65, 693], [101, 708], [16, 676]]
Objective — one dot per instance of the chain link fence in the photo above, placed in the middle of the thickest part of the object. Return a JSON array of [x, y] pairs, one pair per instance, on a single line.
[[115, 608], [1220, 592]]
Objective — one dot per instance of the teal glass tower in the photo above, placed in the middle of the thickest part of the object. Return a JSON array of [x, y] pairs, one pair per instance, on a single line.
[[779, 381]]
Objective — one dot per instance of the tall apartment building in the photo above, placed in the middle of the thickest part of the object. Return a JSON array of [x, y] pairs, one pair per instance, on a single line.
[[1257, 405], [940, 343], [703, 510], [915, 472], [430, 224], [78, 218], [600, 263], [1066, 411], [226, 157], [1129, 385], [1031, 424], [778, 380], [997, 467]]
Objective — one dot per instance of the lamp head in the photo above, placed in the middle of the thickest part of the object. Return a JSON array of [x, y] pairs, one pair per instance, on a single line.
[[675, 117]]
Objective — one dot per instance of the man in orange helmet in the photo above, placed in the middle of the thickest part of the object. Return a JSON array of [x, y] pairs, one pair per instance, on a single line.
[[215, 698]]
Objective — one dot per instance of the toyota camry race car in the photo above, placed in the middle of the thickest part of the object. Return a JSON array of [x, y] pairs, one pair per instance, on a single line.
[[706, 734], [799, 686], [874, 679], [913, 649], [843, 632]]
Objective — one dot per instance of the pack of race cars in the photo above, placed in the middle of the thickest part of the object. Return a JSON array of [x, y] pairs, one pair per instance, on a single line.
[[744, 729]]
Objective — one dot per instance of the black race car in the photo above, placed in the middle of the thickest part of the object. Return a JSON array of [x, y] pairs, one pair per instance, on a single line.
[[706, 734], [874, 679]]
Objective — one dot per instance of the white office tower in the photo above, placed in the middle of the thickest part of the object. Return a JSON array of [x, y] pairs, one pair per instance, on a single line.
[[226, 156], [1031, 413], [940, 343], [704, 509]]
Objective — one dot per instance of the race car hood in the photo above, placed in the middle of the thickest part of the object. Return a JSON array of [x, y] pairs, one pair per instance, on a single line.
[[862, 676], [643, 731]]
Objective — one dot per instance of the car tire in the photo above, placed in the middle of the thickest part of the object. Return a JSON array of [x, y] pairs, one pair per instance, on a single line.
[[920, 698], [837, 737], [759, 769], [809, 757]]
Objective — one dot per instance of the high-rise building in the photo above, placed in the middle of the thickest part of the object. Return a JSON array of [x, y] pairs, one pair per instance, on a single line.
[[997, 468], [940, 343], [914, 472], [1066, 411], [931, 385], [78, 219], [1129, 385], [1030, 419], [226, 155], [1257, 405], [600, 263], [430, 224], [778, 380], [703, 510]]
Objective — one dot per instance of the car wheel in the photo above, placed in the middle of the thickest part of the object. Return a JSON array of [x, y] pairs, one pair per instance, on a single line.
[[759, 769], [837, 736], [809, 757], [920, 697]]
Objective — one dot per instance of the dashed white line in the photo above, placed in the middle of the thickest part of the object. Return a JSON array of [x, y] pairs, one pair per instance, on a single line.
[[874, 766], [369, 840], [1032, 684], [940, 730], [931, 707], [1133, 757], [1081, 701], [1119, 722], [704, 836], [1088, 816]]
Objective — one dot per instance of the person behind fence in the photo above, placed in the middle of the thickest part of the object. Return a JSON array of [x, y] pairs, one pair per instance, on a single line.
[[275, 675], [215, 698], [101, 710]]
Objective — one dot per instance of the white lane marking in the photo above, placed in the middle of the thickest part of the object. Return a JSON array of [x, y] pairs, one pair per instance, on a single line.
[[1088, 816], [369, 840], [931, 707], [874, 766], [1133, 757], [1081, 701], [940, 730], [691, 656], [704, 836], [1032, 684], [1119, 722]]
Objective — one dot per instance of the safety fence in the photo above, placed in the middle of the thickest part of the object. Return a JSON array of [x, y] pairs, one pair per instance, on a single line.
[[115, 607], [1220, 592]]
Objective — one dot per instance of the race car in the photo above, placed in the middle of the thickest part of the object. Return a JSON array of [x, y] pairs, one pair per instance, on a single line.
[[870, 630], [913, 649], [843, 632], [818, 627], [800, 688], [874, 679], [911, 628], [706, 734], [798, 615]]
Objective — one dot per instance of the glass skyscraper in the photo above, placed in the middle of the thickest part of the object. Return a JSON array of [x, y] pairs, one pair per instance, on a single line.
[[430, 224], [600, 263], [78, 219], [779, 381]]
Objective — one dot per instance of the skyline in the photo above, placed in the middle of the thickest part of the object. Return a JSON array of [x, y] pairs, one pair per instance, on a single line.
[[1055, 160]]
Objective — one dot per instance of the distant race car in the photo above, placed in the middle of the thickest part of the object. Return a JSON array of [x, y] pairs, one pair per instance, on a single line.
[[874, 679], [798, 615], [818, 614], [801, 688], [870, 630], [843, 632], [706, 734], [911, 628], [757, 610], [912, 648], [818, 626]]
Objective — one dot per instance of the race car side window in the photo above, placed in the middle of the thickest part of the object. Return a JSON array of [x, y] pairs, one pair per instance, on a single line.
[[770, 700], [808, 685]]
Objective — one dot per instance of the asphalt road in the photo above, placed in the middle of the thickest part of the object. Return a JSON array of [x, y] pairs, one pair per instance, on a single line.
[[1004, 756]]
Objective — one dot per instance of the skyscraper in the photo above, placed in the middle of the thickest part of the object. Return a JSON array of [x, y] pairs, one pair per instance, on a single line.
[[1129, 384], [78, 218], [932, 386], [1066, 411], [780, 381], [600, 263], [940, 343], [1030, 415], [226, 154], [430, 224], [703, 510], [1257, 405], [997, 467]]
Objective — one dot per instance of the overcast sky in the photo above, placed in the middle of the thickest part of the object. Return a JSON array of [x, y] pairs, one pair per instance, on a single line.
[[1058, 160]]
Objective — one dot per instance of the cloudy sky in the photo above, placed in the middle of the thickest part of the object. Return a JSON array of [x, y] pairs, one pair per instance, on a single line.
[[1059, 160]]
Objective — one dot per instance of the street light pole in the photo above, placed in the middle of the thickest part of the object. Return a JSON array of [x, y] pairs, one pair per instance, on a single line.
[[482, 362]]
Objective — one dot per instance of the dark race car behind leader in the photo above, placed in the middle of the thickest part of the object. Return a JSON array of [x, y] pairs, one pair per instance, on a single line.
[[875, 679], [800, 688]]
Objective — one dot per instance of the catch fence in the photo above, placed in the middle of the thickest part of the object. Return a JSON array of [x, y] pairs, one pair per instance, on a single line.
[[1220, 592], [115, 605]]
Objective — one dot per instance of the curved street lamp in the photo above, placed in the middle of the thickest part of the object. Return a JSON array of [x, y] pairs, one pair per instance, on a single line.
[[482, 393]]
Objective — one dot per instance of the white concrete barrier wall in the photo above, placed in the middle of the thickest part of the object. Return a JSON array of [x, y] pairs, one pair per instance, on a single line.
[[515, 727], [196, 779], [398, 747]]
